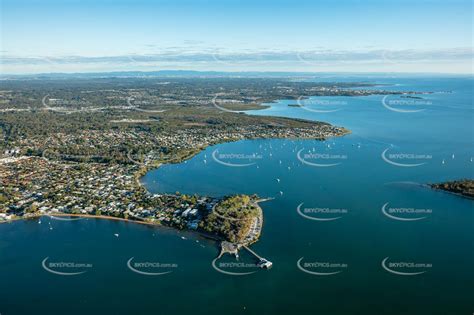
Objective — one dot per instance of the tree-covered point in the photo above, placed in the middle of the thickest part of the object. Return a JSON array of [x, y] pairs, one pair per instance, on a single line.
[[232, 217]]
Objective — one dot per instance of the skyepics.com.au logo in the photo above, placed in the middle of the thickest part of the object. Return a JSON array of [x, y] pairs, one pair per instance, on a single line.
[[320, 214], [324, 58], [406, 104], [64, 218], [403, 268], [318, 268], [245, 58], [65, 268], [138, 103], [236, 159], [52, 150], [135, 158], [235, 268], [320, 159], [403, 159], [317, 105], [405, 214], [65, 106], [148, 268], [220, 104]]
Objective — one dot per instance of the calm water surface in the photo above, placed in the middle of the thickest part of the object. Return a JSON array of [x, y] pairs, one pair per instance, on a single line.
[[435, 230]]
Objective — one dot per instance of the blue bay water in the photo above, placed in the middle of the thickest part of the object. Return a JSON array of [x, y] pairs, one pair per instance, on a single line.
[[361, 183]]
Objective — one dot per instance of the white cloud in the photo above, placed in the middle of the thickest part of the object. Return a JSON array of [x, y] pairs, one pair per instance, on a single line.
[[456, 60]]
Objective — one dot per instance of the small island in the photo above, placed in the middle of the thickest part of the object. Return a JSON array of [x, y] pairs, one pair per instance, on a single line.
[[463, 187]]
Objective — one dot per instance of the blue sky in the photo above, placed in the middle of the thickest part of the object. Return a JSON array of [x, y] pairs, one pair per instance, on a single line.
[[360, 36]]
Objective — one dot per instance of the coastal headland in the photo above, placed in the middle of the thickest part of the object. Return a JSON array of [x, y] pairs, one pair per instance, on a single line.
[[463, 187], [81, 148]]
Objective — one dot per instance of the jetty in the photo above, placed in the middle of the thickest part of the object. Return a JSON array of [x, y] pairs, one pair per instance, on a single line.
[[262, 262]]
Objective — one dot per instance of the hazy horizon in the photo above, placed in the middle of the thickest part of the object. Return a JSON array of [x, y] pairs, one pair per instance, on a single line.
[[266, 36], [210, 73]]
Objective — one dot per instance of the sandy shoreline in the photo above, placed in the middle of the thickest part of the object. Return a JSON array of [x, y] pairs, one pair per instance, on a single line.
[[82, 216], [104, 217]]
